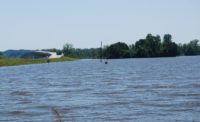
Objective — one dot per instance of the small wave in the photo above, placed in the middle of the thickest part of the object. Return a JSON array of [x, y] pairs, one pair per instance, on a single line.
[[17, 113], [19, 93], [185, 94]]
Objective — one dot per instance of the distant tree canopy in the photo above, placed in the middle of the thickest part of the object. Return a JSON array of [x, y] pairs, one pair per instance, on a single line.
[[35, 55], [192, 48], [151, 46], [15, 53], [87, 53], [68, 49], [1, 55], [117, 50], [169, 48]]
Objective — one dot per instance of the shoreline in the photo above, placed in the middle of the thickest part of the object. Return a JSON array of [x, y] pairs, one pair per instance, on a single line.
[[18, 61]]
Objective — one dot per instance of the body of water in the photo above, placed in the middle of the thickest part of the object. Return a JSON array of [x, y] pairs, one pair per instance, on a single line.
[[126, 90]]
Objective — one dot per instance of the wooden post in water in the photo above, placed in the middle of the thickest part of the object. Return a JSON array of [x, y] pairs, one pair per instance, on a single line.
[[57, 117], [101, 53]]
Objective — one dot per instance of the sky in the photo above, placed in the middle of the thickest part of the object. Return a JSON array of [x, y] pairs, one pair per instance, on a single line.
[[41, 24]]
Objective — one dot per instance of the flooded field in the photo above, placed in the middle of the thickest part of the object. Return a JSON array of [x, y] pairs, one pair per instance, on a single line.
[[128, 90]]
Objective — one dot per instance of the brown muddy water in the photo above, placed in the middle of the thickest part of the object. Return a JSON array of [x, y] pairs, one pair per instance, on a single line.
[[128, 90]]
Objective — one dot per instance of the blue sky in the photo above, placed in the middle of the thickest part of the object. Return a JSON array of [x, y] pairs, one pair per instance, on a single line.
[[38, 24]]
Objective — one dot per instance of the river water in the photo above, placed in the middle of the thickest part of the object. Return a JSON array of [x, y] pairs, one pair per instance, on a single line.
[[126, 90]]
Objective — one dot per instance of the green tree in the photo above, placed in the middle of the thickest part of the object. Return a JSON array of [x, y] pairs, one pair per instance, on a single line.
[[1, 55], [192, 48], [68, 49], [140, 49], [132, 50], [149, 47], [117, 50], [169, 48], [153, 45]]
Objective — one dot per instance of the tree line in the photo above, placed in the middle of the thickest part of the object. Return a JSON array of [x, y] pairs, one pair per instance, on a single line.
[[151, 46], [70, 51]]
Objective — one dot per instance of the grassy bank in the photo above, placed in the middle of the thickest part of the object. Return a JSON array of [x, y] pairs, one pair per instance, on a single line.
[[14, 62]]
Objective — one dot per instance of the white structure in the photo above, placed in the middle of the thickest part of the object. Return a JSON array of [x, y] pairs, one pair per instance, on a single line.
[[52, 54]]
